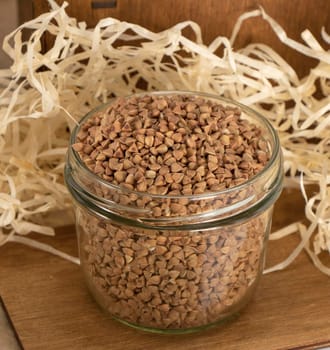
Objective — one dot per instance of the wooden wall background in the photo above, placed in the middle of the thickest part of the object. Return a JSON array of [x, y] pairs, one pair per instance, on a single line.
[[216, 17]]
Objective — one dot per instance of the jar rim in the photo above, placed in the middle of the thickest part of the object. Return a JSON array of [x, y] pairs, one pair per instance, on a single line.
[[206, 195]]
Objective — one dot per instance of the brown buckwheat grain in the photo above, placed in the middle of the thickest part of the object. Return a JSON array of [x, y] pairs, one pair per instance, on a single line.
[[173, 145]]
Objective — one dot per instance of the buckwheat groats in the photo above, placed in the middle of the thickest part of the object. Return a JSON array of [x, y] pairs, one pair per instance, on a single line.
[[175, 194], [172, 280], [177, 145]]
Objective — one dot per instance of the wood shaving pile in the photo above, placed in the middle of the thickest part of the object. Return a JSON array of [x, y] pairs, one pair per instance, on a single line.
[[43, 94]]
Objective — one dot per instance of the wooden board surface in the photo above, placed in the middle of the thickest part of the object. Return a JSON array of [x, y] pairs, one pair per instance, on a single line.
[[52, 309], [216, 17]]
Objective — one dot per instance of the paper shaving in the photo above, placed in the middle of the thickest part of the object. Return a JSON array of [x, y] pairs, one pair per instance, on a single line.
[[44, 94]]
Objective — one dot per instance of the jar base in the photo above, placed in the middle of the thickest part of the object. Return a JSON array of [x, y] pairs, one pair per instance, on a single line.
[[229, 315], [225, 319]]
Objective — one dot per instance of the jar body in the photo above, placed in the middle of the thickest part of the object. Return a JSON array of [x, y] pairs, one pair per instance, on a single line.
[[171, 281], [175, 263]]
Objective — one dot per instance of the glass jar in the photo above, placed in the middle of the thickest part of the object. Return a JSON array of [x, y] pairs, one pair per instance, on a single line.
[[157, 263]]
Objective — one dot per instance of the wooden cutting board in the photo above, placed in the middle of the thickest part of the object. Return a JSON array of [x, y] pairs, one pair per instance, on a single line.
[[51, 308]]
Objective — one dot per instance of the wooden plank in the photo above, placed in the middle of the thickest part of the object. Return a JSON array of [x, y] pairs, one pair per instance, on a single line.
[[25, 10], [215, 18], [52, 309]]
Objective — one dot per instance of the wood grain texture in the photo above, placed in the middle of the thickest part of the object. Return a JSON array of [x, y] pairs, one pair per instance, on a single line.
[[216, 17], [52, 309], [25, 10]]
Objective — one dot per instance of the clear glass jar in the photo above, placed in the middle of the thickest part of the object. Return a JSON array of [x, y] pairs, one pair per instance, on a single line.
[[176, 270]]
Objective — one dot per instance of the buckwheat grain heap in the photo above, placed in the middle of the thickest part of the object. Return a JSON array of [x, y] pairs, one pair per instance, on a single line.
[[174, 145], [171, 145]]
